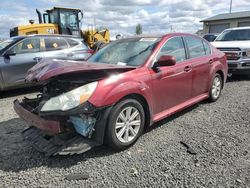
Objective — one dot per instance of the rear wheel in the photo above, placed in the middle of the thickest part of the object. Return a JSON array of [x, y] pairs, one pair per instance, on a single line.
[[126, 123], [216, 88]]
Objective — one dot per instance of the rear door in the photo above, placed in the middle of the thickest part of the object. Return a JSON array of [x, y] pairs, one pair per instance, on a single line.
[[26, 54], [172, 84], [200, 55]]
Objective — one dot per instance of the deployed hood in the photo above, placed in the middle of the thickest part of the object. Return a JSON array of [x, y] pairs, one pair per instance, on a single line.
[[52, 68], [232, 44]]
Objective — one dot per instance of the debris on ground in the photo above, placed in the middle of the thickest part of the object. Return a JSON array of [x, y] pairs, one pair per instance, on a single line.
[[133, 172], [189, 149]]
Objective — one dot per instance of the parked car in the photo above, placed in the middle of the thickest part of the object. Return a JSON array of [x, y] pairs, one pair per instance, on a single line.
[[126, 86], [210, 37], [235, 43], [18, 54]]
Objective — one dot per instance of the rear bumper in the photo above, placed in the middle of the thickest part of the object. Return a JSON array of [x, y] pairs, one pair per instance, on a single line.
[[50, 126]]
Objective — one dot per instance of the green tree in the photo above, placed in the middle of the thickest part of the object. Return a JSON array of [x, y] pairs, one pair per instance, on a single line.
[[138, 29]]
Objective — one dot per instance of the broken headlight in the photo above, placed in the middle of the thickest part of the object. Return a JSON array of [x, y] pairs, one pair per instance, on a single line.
[[71, 99]]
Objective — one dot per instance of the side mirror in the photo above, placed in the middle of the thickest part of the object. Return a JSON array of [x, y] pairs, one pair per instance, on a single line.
[[9, 53], [166, 60]]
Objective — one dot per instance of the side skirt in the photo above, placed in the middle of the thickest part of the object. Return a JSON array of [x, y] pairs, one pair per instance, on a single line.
[[179, 107]]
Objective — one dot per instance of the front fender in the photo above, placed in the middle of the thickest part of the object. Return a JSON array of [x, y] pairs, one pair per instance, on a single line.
[[106, 95]]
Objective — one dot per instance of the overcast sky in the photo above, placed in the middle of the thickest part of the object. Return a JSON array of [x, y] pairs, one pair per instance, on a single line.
[[121, 16]]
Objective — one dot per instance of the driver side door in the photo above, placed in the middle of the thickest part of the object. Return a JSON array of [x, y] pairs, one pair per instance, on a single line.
[[24, 55], [172, 84]]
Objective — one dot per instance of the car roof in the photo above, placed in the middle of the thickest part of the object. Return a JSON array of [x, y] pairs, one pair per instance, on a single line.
[[47, 35], [158, 35], [237, 28]]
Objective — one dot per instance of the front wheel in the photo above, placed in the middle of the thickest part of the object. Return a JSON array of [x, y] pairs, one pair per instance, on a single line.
[[216, 88], [126, 123]]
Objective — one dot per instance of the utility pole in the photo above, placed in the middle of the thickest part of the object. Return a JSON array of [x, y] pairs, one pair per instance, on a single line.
[[230, 10]]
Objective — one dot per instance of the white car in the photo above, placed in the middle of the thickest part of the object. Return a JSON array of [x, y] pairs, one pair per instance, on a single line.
[[235, 43]]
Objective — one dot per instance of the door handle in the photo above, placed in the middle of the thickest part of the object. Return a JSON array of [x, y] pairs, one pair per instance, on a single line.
[[187, 68], [210, 61], [70, 54], [37, 59]]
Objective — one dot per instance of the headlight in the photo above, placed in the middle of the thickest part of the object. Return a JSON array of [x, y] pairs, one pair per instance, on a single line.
[[246, 53], [71, 99]]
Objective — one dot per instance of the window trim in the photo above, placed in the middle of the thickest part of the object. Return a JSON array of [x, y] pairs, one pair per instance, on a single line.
[[186, 55]]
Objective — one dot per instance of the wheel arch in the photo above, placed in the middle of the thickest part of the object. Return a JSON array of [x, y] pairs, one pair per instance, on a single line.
[[145, 105], [220, 72]]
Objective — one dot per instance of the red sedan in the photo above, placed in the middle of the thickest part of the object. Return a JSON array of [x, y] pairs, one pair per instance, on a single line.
[[123, 88]]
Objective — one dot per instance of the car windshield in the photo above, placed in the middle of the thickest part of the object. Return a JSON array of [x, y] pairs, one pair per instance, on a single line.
[[230, 35], [130, 52], [5, 43]]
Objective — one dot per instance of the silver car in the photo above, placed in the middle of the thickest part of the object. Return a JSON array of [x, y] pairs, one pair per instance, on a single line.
[[19, 54]]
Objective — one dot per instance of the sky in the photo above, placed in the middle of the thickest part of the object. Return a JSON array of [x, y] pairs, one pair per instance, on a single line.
[[121, 16]]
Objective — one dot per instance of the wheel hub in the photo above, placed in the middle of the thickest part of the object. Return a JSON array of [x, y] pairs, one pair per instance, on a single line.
[[128, 124]]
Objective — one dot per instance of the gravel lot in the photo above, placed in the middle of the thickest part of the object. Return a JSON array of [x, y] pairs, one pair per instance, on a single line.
[[218, 132]]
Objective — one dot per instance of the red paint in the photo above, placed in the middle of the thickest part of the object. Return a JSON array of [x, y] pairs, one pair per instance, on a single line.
[[34, 120], [167, 91]]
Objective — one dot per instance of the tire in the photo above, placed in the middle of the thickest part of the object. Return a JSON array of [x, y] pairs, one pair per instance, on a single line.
[[216, 88], [119, 124]]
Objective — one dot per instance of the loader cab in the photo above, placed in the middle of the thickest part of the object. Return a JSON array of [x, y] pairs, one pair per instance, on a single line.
[[68, 20]]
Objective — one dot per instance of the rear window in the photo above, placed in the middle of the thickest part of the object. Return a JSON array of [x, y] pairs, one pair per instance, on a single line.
[[195, 47], [207, 48], [72, 42], [52, 44]]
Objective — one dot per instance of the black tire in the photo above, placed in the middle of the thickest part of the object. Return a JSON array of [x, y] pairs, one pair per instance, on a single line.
[[111, 135], [212, 96]]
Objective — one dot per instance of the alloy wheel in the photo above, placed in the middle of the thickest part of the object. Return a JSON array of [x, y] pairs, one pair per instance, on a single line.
[[128, 124], [216, 87]]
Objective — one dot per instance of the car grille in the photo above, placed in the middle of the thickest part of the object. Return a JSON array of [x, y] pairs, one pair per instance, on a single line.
[[246, 64], [231, 53], [232, 65]]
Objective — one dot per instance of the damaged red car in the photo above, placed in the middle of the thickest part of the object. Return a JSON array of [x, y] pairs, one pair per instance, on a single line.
[[123, 88]]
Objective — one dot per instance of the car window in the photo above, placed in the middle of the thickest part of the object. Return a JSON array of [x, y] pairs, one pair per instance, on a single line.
[[52, 44], [207, 48], [29, 45], [174, 47], [195, 47], [72, 42]]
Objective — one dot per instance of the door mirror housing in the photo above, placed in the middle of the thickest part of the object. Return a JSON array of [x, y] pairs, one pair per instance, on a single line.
[[166, 60], [9, 53]]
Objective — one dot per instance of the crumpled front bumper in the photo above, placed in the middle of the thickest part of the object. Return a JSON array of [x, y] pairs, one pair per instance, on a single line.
[[50, 126], [58, 141]]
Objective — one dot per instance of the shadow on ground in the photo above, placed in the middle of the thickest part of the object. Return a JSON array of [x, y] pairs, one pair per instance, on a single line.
[[17, 155], [238, 78], [20, 91]]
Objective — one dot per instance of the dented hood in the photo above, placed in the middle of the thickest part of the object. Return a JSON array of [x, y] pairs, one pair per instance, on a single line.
[[52, 68]]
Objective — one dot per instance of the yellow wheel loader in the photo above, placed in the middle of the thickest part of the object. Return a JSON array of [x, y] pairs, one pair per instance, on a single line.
[[63, 21]]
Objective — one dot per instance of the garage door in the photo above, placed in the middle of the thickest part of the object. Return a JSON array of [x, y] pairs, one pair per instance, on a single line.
[[243, 24], [218, 28]]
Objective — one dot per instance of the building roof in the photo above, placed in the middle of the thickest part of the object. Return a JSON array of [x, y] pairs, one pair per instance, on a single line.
[[227, 16]]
